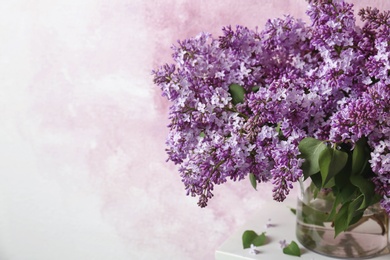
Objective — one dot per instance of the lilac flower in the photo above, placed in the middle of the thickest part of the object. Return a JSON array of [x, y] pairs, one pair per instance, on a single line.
[[269, 224], [253, 250], [283, 243], [354, 120], [328, 80]]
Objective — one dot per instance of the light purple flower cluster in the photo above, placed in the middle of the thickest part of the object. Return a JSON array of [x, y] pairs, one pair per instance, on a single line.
[[329, 80]]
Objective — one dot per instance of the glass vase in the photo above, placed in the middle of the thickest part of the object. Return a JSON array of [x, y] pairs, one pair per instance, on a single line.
[[366, 238]]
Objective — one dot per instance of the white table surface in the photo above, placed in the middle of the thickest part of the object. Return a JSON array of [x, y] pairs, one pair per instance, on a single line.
[[283, 228]]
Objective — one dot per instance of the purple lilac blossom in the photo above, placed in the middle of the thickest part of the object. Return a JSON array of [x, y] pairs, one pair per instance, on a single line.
[[329, 80]]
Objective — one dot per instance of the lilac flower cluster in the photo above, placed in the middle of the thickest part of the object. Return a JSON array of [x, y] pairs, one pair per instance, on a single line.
[[329, 80]]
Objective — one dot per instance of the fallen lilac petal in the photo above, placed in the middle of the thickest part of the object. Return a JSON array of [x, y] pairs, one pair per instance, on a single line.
[[283, 243], [253, 250]]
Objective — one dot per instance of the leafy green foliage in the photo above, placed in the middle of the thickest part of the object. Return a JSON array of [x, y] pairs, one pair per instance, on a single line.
[[347, 173], [237, 92], [292, 249], [311, 149], [316, 179], [331, 162], [360, 156], [250, 237], [367, 190], [253, 180], [294, 211], [346, 214], [255, 88], [313, 216]]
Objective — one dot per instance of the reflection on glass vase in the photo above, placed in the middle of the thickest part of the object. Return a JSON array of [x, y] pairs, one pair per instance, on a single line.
[[366, 238]]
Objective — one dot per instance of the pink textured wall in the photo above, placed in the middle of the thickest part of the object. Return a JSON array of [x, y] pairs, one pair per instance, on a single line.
[[82, 165]]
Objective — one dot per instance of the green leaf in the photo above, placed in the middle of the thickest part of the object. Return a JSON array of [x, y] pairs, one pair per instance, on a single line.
[[366, 187], [294, 211], [344, 189], [260, 240], [338, 49], [313, 216], [279, 130], [331, 162], [237, 92], [316, 179], [353, 208], [250, 237], [310, 149], [202, 134], [247, 238], [347, 215], [292, 249], [334, 208], [360, 156], [331, 183], [253, 180], [346, 192], [356, 217], [341, 219]]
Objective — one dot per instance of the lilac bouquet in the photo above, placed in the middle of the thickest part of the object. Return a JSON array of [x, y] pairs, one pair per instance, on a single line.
[[287, 102]]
